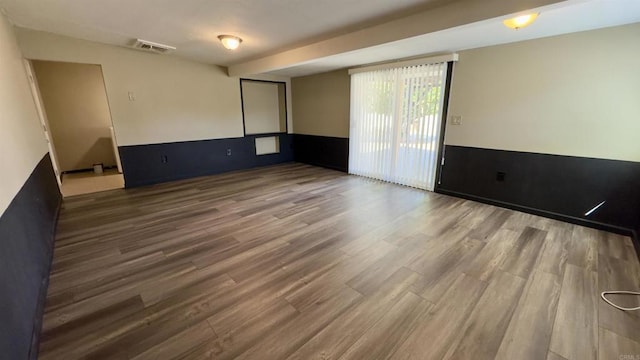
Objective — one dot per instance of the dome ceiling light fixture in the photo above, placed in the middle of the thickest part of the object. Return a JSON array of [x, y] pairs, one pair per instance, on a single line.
[[229, 41], [520, 21]]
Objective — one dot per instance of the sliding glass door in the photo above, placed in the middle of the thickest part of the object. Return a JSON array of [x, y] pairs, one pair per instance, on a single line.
[[396, 117]]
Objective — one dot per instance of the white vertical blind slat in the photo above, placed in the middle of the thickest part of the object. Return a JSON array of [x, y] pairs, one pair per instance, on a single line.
[[423, 130], [427, 161]]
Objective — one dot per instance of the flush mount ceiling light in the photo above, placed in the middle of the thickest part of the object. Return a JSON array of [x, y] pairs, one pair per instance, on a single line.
[[229, 41], [520, 21]]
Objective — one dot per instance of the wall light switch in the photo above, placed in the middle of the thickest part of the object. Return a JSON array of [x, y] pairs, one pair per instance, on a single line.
[[132, 96], [456, 120]]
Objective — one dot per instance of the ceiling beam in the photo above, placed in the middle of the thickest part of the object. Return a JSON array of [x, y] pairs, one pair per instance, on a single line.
[[451, 15]]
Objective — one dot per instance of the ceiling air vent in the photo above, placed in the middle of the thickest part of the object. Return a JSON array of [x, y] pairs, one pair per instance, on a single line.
[[152, 46]]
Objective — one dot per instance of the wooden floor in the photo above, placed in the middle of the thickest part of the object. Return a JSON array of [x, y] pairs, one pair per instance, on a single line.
[[299, 262]]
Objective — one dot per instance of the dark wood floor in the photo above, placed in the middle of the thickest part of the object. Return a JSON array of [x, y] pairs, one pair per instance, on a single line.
[[299, 262]]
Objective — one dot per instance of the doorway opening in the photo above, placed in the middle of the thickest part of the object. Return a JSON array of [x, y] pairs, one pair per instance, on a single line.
[[74, 111]]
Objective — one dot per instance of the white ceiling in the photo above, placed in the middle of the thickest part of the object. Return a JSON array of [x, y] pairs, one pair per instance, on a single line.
[[270, 26], [193, 25], [568, 17]]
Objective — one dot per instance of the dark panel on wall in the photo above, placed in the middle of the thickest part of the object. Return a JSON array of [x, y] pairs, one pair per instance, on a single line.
[[156, 163], [27, 230], [564, 187], [325, 151]]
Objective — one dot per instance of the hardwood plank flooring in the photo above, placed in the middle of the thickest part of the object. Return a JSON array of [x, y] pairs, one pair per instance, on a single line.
[[530, 329], [575, 333], [485, 327], [299, 262]]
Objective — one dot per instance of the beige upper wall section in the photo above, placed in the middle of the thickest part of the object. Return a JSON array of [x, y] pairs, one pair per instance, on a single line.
[[576, 94], [321, 104], [76, 105], [22, 143], [175, 99]]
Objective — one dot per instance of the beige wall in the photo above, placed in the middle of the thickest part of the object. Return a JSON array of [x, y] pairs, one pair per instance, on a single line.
[[576, 94], [175, 99], [321, 104], [76, 105], [22, 143]]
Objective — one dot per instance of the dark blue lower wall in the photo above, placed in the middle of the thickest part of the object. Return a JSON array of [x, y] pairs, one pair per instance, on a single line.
[[563, 187], [325, 151], [27, 230], [156, 163]]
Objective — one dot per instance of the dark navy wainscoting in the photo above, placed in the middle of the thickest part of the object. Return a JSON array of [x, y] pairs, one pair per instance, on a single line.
[[156, 163], [562, 187], [325, 151], [27, 230]]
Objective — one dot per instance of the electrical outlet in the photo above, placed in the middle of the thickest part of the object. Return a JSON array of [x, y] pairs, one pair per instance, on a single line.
[[164, 159], [132, 96], [228, 152], [456, 120], [500, 176]]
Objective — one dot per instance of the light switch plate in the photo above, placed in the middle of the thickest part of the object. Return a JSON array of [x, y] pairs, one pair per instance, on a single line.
[[456, 120], [132, 96]]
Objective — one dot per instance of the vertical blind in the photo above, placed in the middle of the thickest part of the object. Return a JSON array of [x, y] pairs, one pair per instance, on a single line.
[[395, 124]]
